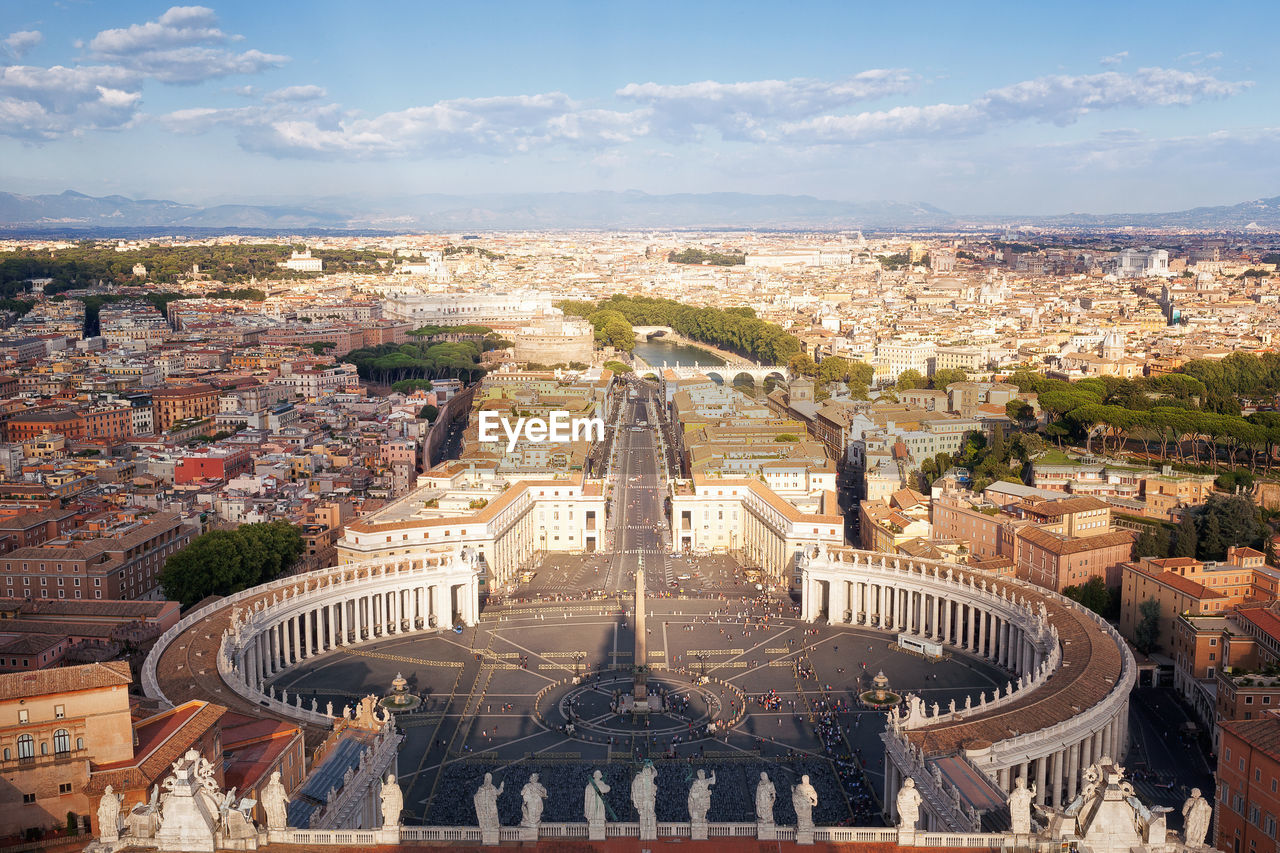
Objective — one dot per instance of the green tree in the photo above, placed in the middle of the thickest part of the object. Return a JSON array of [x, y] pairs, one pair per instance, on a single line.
[[1093, 594], [1147, 631], [1186, 540], [428, 412], [1152, 542], [802, 364], [1227, 520], [617, 366], [221, 562], [910, 379], [1021, 413], [947, 375]]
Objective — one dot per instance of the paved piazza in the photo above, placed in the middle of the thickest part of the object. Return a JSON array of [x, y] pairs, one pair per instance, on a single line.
[[481, 708]]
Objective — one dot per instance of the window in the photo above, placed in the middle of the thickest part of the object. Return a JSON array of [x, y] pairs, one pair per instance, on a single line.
[[64, 788], [62, 741], [28, 799], [79, 743], [26, 747], [22, 715]]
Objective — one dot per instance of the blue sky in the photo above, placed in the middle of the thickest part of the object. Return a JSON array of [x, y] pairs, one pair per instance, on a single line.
[[1000, 108]]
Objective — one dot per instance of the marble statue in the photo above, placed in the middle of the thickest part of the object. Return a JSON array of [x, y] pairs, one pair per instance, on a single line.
[[593, 799], [766, 795], [700, 797], [392, 802], [644, 796], [275, 802], [486, 803], [109, 815], [1020, 806], [1196, 812], [908, 805], [803, 799], [533, 793]]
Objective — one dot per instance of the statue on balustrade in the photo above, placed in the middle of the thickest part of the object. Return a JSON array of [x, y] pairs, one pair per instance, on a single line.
[[1196, 812], [644, 796], [700, 797], [766, 795], [486, 802], [533, 794], [593, 799], [275, 802], [803, 798], [109, 815], [392, 802], [908, 805], [1020, 806]]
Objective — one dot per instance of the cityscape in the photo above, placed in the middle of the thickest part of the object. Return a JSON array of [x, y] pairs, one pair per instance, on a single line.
[[605, 441]]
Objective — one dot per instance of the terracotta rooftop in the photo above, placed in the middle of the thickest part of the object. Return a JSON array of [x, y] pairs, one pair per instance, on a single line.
[[22, 685], [1058, 545], [1261, 734]]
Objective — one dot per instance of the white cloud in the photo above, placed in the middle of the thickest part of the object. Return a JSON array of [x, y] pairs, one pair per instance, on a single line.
[[19, 43], [742, 110], [1115, 58], [458, 127], [45, 103], [933, 120], [297, 93], [181, 25], [1062, 99], [181, 46], [1059, 99], [293, 122]]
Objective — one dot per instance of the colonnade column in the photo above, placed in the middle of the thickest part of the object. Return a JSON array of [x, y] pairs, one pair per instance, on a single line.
[[1041, 779], [1055, 780], [946, 623], [1073, 770], [982, 633], [292, 657], [937, 610]]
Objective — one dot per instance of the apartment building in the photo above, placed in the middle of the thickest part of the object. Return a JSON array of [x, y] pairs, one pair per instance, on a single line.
[[119, 560], [56, 726], [177, 403]]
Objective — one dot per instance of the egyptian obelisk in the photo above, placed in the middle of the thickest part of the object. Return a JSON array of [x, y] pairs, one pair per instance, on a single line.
[[639, 693]]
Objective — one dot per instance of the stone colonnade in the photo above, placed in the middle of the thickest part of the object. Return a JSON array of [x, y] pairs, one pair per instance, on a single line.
[[281, 623], [1003, 621]]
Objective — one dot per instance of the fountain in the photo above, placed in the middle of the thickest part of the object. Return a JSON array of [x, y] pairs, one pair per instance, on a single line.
[[400, 699], [879, 696]]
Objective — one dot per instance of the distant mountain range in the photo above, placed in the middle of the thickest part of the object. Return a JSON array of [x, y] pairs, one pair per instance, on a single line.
[[74, 213]]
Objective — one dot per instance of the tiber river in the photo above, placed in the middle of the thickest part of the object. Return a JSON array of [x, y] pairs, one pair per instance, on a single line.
[[656, 351]]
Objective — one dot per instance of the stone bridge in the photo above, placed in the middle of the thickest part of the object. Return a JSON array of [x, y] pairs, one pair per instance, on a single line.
[[726, 373], [643, 333]]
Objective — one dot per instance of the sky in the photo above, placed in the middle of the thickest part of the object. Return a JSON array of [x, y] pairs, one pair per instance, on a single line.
[[1011, 108]]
